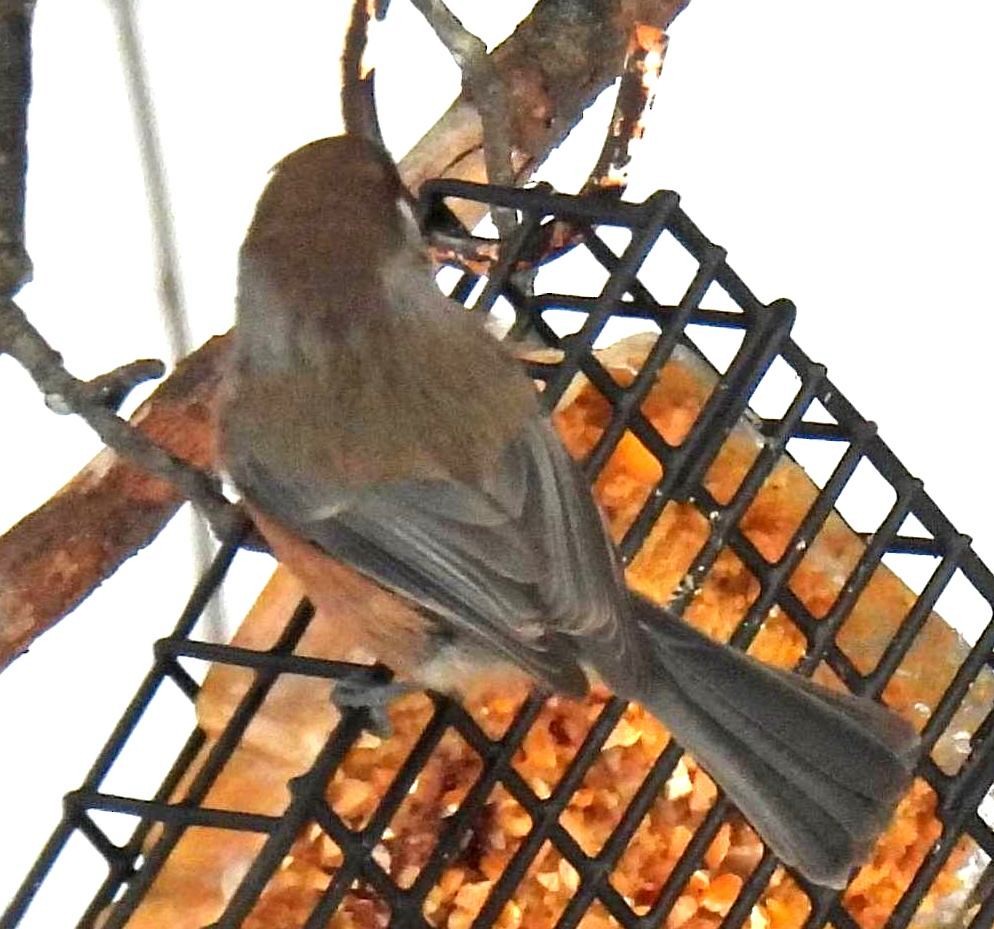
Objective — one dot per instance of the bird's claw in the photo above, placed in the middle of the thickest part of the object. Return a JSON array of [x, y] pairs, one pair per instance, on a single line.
[[373, 697]]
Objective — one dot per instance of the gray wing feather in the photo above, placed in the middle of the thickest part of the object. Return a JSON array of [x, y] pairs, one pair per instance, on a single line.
[[518, 561]]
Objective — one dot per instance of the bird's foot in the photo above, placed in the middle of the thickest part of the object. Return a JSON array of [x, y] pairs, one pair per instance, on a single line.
[[373, 697]]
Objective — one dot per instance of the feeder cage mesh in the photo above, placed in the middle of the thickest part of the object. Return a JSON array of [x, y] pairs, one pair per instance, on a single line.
[[809, 413]]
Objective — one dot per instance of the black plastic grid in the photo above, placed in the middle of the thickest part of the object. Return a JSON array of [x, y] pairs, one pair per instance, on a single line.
[[765, 336]]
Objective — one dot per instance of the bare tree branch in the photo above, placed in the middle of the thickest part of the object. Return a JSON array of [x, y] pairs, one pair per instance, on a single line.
[[54, 557], [636, 92], [24, 343], [15, 89], [554, 66], [639, 78], [486, 88], [485, 85]]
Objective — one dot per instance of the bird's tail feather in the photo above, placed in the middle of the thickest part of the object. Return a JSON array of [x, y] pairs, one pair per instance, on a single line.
[[817, 773]]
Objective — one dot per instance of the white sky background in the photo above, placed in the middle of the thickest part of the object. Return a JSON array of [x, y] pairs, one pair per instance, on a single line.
[[841, 153]]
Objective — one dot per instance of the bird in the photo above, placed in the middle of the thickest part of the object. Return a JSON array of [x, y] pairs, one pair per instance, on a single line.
[[396, 458]]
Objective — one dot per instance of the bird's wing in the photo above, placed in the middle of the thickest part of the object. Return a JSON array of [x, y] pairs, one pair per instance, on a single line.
[[519, 561]]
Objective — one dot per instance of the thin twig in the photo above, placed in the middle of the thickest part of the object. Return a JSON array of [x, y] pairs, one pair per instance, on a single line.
[[110, 390], [488, 93], [358, 99], [15, 81], [636, 93], [25, 344]]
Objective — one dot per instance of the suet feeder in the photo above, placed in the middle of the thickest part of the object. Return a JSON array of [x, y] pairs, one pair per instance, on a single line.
[[696, 435]]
